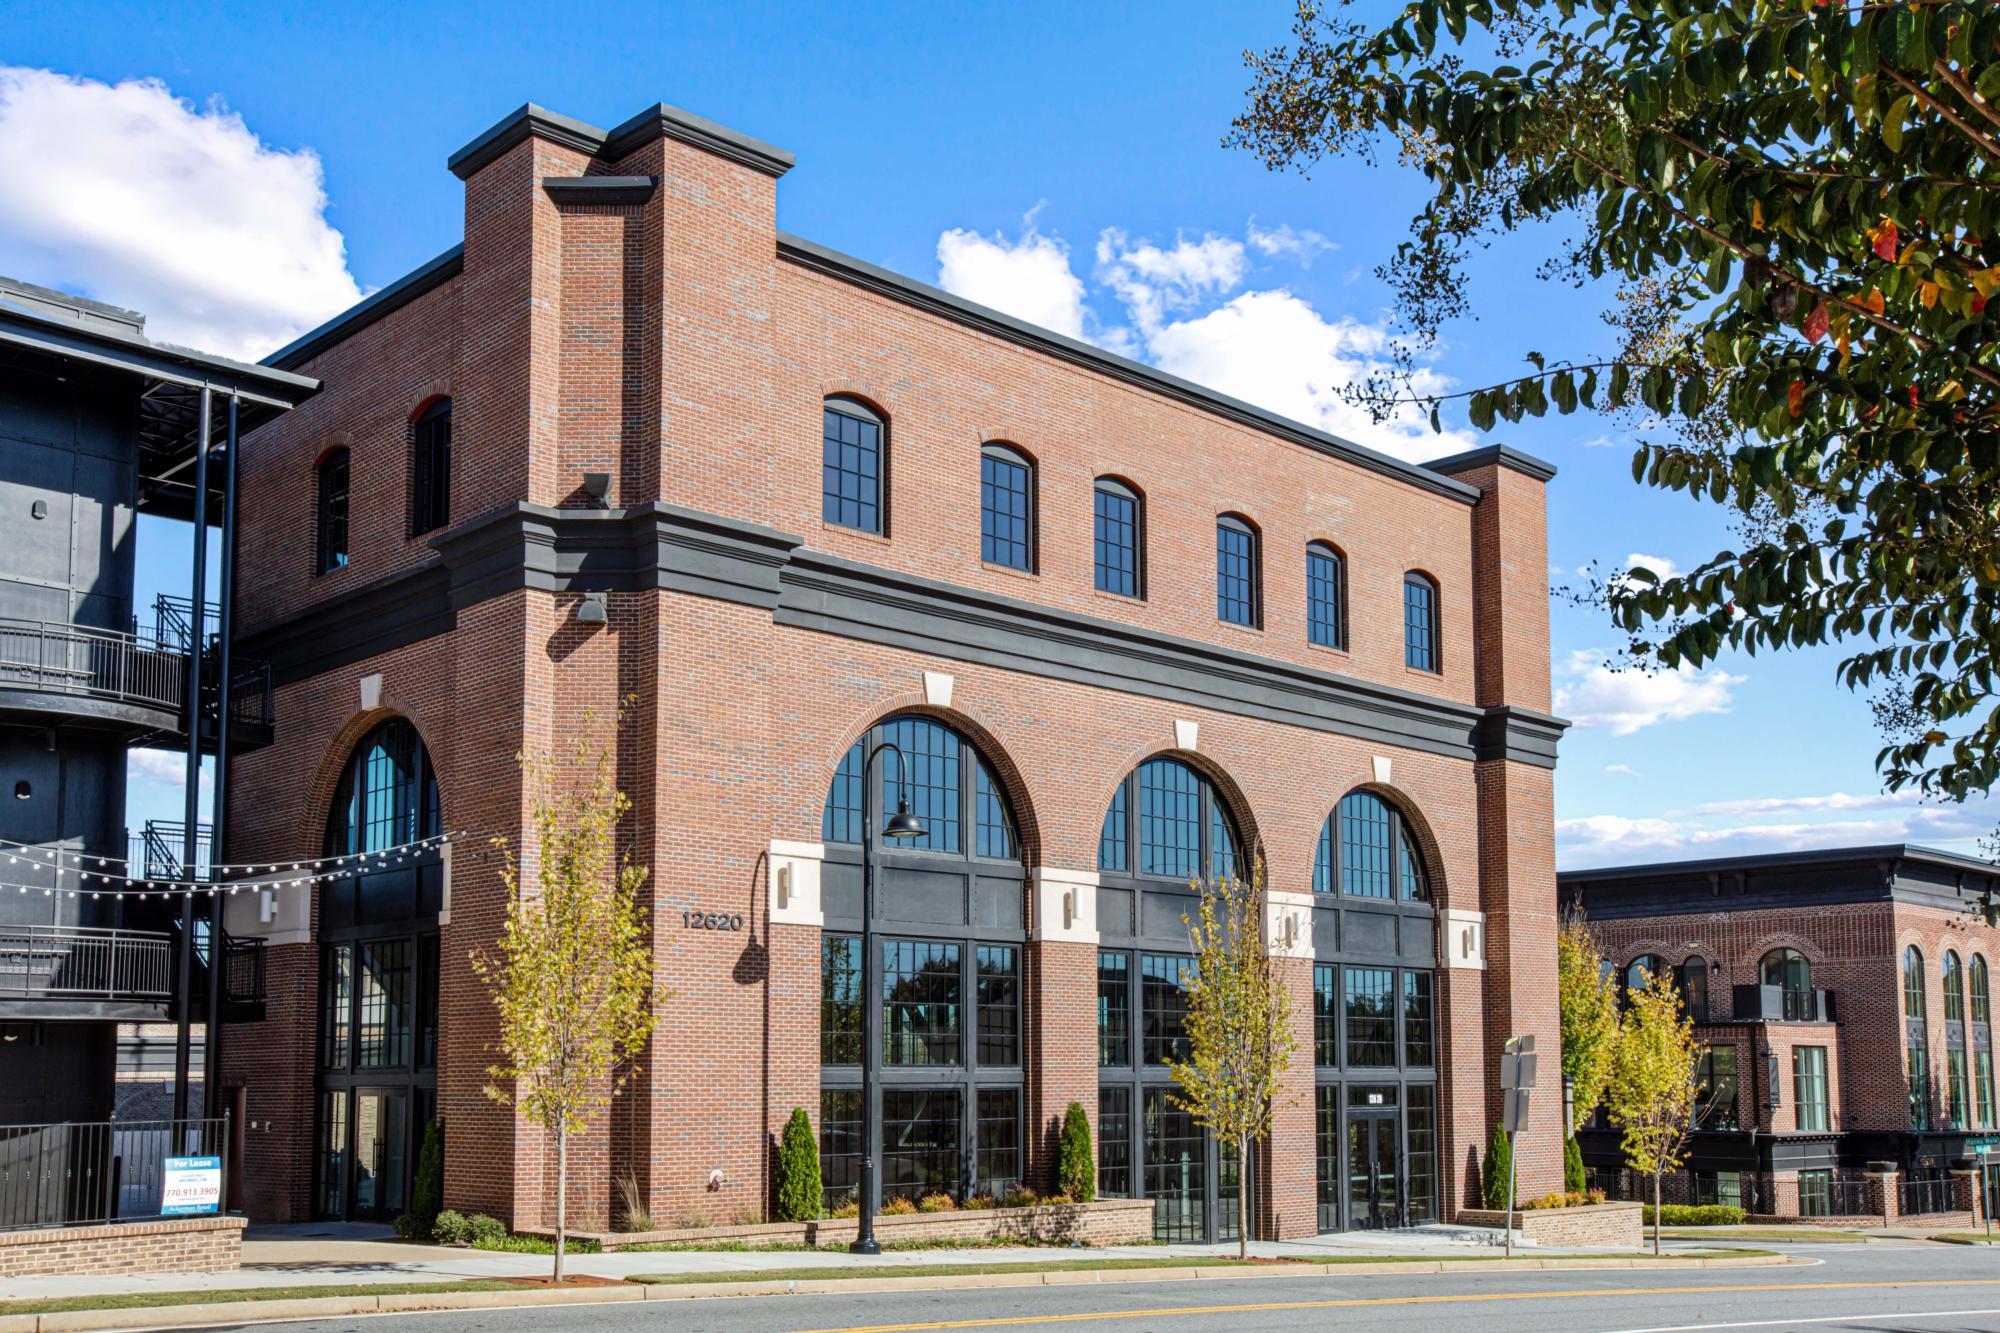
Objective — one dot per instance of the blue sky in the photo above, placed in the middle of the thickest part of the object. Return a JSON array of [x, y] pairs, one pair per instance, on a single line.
[[1065, 159]]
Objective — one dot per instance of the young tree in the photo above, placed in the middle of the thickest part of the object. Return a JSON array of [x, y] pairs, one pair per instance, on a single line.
[[1587, 998], [1498, 1174], [1796, 203], [573, 979], [1239, 1026], [801, 1195], [1076, 1165], [1654, 1083]]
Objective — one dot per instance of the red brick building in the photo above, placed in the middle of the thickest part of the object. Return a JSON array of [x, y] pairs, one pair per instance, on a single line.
[[631, 441], [1845, 997]]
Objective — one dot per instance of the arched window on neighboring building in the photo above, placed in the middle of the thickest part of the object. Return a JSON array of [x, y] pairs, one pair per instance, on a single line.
[[1326, 596], [1693, 978], [378, 991], [1641, 972], [1006, 507], [1421, 635], [1916, 1039], [331, 525], [1982, 1044], [1366, 850], [1788, 970], [853, 466], [1957, 1081], [430, 468]]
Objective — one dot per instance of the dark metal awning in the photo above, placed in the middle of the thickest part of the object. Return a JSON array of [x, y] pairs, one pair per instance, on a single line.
[[57, 334]]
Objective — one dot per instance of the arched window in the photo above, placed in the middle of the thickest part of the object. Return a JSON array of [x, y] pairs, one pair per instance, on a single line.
[[1913, 983], [1982, 1045], [938, 764], [430, 468], [1957, 1088], [1118, 538], [1916, 1039], [1366, 850], [1006, 507], [1238, 572], [1326, 596], [1788, 970], [852, 455], [1641, 972], [1420, 623], [1171, 817], [387, 796], [1693, 977], [332, 512], [1954, 987]]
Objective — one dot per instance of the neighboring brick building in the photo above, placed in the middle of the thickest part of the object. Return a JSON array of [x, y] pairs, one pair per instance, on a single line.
[[1846, 999], [630, 441]]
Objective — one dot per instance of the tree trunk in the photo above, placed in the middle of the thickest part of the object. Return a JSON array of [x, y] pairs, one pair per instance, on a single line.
[[1656, 1212], [562, 1198], [1242, 1196]]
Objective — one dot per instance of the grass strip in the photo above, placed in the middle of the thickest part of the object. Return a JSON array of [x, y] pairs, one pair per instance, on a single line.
[[146, 1300], [1965, 1238], [1759, 1233]]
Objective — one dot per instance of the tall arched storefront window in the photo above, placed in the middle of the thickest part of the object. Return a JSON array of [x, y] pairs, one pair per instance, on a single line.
[[378, 985], [950, 927]]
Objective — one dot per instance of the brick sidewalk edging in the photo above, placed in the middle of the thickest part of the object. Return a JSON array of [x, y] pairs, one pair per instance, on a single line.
[[235, 1313]]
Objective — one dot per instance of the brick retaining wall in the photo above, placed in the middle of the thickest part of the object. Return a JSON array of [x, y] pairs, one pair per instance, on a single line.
[[1594, 1224], [182, 1245]]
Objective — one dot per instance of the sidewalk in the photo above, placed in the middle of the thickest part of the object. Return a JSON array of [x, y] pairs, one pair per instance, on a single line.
[[327, 1253]]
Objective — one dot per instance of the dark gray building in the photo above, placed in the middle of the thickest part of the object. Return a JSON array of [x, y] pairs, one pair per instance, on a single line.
[[99, 424]]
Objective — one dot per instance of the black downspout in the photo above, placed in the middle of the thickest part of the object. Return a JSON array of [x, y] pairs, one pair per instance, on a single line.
[[211, 1049], [191, 805]]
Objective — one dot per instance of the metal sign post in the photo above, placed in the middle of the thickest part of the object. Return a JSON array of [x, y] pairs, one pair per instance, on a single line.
[[1517, 1079]]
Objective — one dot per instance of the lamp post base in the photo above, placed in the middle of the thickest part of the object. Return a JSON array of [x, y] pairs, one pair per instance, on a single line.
[[868, 1246]]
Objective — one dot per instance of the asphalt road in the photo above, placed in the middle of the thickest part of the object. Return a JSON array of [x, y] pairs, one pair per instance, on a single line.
[[1915, 1287]]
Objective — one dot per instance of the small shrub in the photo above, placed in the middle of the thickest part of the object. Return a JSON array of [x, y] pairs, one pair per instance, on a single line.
[[1076, 1164], [846, 1210], [407, 1227], [749, 1215], [427, 1190], [451, 1228], [1574, 1178], [1564, 1199], [978, 1203], [1694, 1215], [486, 1230], [1019, 1197], [937, 1203], [695, 1220], [506, 1244], [900, 1206], [1594, 1196], [633, 1213], [1499, 1169], [799, 1187]]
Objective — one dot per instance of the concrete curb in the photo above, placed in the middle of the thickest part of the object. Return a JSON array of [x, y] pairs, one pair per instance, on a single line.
[[215, 1313]]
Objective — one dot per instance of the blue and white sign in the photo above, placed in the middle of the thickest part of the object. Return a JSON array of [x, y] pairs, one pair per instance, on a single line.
[[193, 1185]]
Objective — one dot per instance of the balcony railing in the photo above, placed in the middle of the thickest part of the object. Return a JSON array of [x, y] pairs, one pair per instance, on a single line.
[[1783, 1004], [126, 668], [85, 963]]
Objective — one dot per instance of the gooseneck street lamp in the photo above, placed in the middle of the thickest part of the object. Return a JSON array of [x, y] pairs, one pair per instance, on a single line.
[[902, 826]]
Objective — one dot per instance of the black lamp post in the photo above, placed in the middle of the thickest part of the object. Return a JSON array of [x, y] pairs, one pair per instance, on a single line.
[[901, 826]]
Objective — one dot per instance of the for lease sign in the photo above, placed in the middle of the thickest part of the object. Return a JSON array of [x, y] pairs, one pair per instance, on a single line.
[[192, 1185]]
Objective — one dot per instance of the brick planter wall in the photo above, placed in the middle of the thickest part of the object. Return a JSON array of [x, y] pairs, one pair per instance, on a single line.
[[1106, 1222], [1610, 1224], [183, 1245]]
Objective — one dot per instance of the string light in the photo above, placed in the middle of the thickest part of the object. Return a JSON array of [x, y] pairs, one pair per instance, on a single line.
[[131, 886]]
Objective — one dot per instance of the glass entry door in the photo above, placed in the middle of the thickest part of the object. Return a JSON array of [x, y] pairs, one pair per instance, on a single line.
[[1371, 1170], [381, 1152]]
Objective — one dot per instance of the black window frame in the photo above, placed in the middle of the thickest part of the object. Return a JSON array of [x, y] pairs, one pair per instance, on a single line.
[[1119, 489], [1008, 455], [1230, 530], [854, 409], [1330, 857], [1127, 801], [1326, 597], [1432, 639], [332, 510], [430, 468]]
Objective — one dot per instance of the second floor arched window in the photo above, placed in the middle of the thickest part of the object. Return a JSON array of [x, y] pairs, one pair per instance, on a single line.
[[430, 468], [1118, 538], [1326, 596], [853, 458], [331, 519], [1238, 572], [1166, 821], [1693, 978], [1641, 972], [1913, 983], [1006, 507], [1366, 851], [1420, 623]]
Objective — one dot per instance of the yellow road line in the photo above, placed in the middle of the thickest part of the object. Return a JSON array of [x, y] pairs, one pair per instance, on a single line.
[[1190, 1311]]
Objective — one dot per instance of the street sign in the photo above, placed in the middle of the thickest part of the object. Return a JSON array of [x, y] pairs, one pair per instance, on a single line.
[[191, 1185], [1514, 1110], [1517, 1071]]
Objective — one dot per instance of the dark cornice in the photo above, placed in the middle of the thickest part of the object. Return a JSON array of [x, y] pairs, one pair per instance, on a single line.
[[1879, 855], [931, 300], [518, 125], [600, 189], [378, 306], [1894, 872], [670, 122], [667, 548], [1494, 455]]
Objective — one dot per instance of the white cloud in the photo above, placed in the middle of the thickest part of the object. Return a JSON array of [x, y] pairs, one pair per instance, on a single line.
[[1658, 564], [1300, 243], [134, 196], [1602, 442], [1598, 840], [1029, 278], [1151, 281], [1623, 702], [1625, 769], [1840, 800], [165, 769]]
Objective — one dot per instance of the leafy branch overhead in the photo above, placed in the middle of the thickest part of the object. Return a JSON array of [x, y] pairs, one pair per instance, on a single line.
[[1795, 203]]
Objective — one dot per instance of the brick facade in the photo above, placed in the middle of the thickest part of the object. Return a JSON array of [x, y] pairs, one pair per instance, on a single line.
[[186, 1245], [683, 346]]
